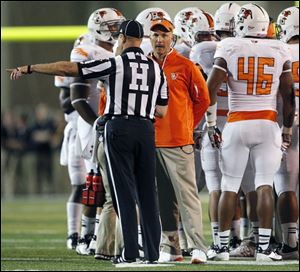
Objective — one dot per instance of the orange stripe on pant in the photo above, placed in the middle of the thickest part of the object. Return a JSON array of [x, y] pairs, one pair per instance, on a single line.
[[252, 115]]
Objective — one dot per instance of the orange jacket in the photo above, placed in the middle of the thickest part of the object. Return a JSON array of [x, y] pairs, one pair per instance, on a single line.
[[188, 101], [102, 102]]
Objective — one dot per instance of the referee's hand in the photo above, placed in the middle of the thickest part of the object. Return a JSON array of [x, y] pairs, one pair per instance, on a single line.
[[16, 73]]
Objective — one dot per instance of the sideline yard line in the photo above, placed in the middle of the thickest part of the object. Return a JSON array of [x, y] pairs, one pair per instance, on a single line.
[[237, 262]]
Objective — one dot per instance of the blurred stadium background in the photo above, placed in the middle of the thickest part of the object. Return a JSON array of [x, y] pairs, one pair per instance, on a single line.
[[21, 97]]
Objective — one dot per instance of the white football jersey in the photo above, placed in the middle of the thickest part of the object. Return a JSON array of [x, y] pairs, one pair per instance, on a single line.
[[183, 49], [203, 54], [146, 46], [294, 51], [254, 67], [62, 82], [86, 52]]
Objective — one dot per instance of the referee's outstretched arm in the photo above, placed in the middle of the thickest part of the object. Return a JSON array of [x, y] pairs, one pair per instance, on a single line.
[[60, 68]]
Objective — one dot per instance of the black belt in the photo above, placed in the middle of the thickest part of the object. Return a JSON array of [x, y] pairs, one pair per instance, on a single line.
[[131, 117]]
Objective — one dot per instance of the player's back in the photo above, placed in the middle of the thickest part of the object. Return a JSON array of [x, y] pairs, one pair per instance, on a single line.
[[254, 68], [203, 54]]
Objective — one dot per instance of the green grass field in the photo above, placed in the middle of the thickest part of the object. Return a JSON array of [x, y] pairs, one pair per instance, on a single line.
[[33, 237]]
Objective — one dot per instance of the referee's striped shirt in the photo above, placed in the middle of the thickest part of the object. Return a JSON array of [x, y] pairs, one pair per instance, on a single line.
[[134, 83]]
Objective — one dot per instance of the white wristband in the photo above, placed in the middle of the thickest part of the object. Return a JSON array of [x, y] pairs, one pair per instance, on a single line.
[[211, 115], [286, 130]]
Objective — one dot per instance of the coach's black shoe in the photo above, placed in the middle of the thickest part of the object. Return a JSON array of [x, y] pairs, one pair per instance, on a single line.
[[186, 252], [122, 260], [99, 256]]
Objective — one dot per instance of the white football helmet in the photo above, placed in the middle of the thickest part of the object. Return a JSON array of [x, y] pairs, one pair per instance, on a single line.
[[200, 24], [252, 20], [288, 23], [104, 23], [146, 16], [224, 17], [181, 21]]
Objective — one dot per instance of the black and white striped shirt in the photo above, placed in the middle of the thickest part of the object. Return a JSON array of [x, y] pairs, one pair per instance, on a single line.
[[134, 83]]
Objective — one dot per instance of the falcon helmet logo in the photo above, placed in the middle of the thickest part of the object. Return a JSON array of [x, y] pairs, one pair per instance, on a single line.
[[154, 15], [244, 14], [285, 14]]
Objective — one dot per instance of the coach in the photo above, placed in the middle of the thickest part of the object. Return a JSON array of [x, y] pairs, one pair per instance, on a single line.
[[136, 93]]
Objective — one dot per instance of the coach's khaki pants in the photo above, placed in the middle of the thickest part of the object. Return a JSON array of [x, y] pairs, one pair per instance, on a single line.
[[177, 190], [109, 237]]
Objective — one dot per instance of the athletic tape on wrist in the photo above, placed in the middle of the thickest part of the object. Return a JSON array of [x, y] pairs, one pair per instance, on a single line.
[[211, 115]]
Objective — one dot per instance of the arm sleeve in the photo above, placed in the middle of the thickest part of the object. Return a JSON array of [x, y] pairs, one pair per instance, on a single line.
[[95, 68], [199, 94], [163, 92]]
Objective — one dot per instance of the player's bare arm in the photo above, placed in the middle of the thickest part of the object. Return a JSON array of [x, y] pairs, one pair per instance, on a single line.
[[80, 90], [215, 79], [60, 68], [288, 97]]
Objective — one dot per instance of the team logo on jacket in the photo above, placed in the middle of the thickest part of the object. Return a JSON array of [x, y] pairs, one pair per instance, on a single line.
[[174, 76]]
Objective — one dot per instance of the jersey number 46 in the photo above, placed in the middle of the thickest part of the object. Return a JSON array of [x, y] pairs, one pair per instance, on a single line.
[[263, 81]]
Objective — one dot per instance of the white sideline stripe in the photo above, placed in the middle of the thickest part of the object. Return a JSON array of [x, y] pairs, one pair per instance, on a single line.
[[141, 265], [37, 247], [38, 241], [239, 262], [39, 259], [24, 270]]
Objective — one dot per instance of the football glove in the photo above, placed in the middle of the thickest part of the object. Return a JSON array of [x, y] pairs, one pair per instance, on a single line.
[[215, 136]]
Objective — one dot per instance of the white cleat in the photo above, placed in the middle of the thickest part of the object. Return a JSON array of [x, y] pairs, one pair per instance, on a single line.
[[165, 257], [92, 246], [83, 247], [198, 257], [246, 249], [267, 255], [212, 252], [222, 254], [72, 241]]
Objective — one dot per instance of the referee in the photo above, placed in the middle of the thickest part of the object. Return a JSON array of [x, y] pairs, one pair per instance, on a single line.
[[136, 92]]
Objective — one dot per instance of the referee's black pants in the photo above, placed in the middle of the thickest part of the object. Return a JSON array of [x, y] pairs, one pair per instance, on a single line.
[[130, 154]]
